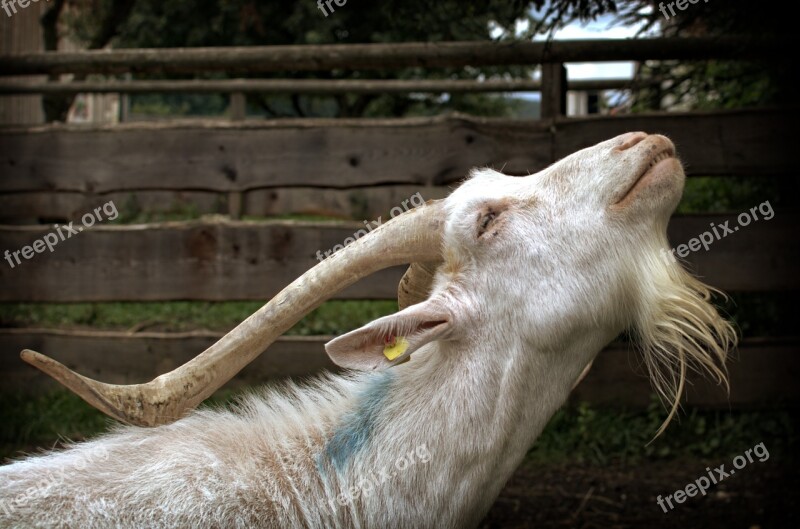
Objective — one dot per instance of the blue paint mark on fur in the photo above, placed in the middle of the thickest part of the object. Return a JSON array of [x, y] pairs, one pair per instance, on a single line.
[[355, 429]]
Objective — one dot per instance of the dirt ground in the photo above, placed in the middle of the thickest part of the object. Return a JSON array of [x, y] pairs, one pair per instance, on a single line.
[[760, 495]]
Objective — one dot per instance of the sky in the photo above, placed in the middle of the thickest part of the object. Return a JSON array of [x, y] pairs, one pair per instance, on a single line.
[[601, 28]]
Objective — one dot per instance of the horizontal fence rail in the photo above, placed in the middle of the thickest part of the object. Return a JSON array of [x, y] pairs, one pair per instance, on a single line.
[[327, 57], [342, 154], [761, 371], [307, 86], [226, 260], [344, 204]]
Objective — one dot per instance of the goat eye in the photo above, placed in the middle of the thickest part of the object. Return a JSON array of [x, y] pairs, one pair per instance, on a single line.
[[485, 220]]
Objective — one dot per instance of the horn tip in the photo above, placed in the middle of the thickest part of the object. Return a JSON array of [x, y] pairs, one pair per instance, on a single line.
[[44, 363], [31, 357]]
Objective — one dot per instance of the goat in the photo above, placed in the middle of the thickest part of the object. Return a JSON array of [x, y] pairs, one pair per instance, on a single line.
[[517, 284]]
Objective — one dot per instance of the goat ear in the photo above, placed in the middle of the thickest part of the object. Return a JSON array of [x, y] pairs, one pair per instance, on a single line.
[[390, 340]]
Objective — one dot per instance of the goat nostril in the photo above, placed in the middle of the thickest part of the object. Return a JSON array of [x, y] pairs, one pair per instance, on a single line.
[[631, 139]]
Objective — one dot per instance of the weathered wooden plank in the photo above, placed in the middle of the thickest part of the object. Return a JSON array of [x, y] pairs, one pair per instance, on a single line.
[[361, 203], [305, 86], [242, 157], [762, 371], [741, 142], [357, 203], [382, 56], [201, 260], [761, 256], [223, 260], [357, 153]]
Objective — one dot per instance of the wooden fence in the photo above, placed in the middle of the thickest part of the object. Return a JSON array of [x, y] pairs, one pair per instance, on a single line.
[[351, 168]]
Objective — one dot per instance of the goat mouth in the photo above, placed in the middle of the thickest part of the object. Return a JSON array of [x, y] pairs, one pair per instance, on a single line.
[[655, 166]]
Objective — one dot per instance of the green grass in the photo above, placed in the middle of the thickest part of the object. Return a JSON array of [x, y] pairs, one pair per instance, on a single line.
[[39, 421], [298, 216], [709, 194], [582, 434], [130, 211], [755, 314], [35, 422], [332, 317], [601, 436]]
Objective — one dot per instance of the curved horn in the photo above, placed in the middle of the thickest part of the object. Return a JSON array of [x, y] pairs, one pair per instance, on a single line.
[[412, 236], [416, 284]]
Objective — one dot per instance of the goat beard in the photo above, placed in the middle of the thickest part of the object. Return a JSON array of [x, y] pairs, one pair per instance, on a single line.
[[677, 328]]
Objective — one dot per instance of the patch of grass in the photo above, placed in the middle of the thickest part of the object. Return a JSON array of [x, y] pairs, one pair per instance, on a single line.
[[31, 423], [339, 317], [709, 194], [332, 317], [131, 212], [755, 314], [297, 216], [602, 436]]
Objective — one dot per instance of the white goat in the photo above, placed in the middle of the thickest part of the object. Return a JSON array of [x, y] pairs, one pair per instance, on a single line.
[[538, 274]]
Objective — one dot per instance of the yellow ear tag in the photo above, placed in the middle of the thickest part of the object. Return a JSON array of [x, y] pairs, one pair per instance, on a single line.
[[395, 348]]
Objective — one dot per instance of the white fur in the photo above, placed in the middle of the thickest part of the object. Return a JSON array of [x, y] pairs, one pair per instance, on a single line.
[[531, 306]]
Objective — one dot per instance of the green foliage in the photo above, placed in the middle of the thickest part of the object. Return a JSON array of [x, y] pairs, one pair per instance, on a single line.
[[156, 24], [728, 195], [708, 85], [332, 317], [702, 85], [131, 212], [35, 422], [603, 436], [715, 84], [174, 105], [31, 422], [755, 314]]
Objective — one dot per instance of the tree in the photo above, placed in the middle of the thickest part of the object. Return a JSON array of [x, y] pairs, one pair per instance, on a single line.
[[183, 23], [101, 25], [154, 24]]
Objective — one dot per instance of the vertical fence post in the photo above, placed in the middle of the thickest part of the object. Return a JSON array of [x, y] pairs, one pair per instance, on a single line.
[[237, 106], [554, 90]]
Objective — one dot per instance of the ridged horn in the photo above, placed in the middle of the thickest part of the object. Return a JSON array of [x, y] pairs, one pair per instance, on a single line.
[[411, 237]]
